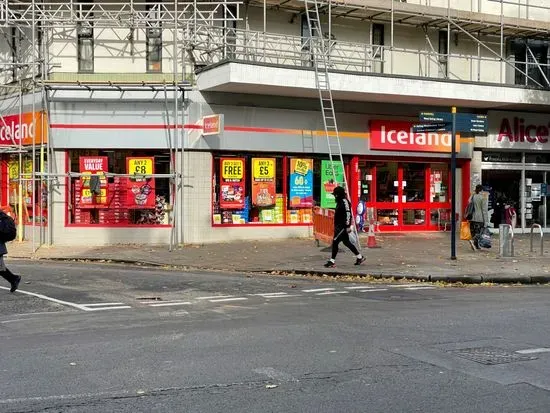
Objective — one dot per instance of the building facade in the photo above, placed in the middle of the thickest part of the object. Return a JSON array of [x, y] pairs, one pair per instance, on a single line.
[[192, 123]]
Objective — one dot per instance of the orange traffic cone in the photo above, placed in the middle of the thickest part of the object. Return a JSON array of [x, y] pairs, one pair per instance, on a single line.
[[371, 238]]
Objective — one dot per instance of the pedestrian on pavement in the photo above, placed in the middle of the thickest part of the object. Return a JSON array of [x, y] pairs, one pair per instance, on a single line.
[[480, 217], [10, 277], [343, 227]]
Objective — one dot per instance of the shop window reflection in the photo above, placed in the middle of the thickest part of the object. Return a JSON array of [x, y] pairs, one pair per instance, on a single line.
[[414, 183], [439, 182], [386, 179], [414, 217], [387, 217]]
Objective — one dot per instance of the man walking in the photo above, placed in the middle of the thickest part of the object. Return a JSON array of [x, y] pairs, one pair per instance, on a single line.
[[10, 277], [342, 227], [480, 217]]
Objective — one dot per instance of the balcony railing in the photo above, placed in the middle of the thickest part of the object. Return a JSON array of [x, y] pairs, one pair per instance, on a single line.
[[214, 45]]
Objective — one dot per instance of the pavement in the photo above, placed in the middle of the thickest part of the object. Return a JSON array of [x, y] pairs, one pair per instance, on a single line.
[[414, 256]]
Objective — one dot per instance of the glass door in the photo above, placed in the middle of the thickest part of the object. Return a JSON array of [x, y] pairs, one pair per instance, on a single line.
[[406, 196]]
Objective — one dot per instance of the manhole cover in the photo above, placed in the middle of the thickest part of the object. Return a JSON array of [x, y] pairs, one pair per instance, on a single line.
[[490, 355]]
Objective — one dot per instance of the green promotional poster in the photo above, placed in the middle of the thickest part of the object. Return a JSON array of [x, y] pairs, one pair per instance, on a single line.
[[329, 182]]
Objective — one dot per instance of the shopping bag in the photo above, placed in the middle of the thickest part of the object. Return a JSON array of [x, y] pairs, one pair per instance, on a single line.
[[465, 233], [354, 239], [485, 238]]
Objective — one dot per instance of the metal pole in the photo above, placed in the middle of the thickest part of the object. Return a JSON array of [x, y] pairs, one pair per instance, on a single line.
[[21, 228], [175, 134], [501, 39], [391, 39], [33, 193], [453, 186]]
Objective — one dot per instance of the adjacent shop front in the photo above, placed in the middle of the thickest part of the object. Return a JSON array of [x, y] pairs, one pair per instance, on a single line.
[[23, 138], [513, 165]]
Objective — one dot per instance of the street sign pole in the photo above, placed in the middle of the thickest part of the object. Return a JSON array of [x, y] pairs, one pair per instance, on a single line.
[[453, 186]]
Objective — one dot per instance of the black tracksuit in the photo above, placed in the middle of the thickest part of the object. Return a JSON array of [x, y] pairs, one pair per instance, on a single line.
[[342, 221]]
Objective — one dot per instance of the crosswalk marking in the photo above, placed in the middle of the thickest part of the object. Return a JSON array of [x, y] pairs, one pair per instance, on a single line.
[[333, 292], [228, 299], [101, 304], [371, 290], [167, 304], [315, 290], [213, 297], [120, 307]]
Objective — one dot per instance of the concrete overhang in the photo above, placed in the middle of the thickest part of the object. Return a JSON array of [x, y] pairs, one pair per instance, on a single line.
[[248, 78]]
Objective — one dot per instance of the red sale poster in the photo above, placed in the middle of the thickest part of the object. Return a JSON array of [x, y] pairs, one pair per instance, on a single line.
[[232, 183], [93, 188]]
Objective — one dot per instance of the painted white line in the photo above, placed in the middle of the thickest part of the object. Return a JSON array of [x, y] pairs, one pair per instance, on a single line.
[[169, 304], [101, 304], [54, 300], [401, 285], [228, 299], [214, 296], [121, 307], [315, 290], [264, 294], [534, 350], [282, 296], [333, 292], [358, 287], [420, 288], [373, 290]]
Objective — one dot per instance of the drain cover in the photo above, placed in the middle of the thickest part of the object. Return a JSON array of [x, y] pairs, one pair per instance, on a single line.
[[490, 355]]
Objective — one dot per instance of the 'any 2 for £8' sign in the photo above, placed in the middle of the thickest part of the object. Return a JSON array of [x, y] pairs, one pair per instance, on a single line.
[[140, 166]]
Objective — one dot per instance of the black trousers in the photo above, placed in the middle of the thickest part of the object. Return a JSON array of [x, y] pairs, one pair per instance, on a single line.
[[8, 275], [342, 236]]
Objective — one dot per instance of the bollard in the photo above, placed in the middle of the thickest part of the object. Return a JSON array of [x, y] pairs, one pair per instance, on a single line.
[[506, 240], [541, 239]]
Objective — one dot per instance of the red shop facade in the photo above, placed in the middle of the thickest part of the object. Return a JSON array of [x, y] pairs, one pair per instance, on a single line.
[[406, 178]]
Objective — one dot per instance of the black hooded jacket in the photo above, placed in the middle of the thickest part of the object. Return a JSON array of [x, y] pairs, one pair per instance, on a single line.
[[342, 215]]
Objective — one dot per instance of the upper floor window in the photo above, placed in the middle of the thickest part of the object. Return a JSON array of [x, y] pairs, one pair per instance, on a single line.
[[531, 62], [154, 39], [85, 37], [378, 47], [230, 30]]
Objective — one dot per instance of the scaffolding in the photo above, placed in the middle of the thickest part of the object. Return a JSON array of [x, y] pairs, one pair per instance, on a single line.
[[203, 33], [35, 23]]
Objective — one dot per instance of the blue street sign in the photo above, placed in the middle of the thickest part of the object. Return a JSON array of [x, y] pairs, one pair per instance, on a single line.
[[432, 127], [465, 122]]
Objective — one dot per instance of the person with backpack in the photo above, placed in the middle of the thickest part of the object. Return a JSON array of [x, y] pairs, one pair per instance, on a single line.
[[8, 233], [478, 215], [343, 227]]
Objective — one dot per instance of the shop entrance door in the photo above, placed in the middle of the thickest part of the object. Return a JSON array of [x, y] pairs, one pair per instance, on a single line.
[[407, 196]]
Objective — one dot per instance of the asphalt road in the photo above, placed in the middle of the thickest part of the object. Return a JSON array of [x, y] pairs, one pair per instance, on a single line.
[[96, 338]]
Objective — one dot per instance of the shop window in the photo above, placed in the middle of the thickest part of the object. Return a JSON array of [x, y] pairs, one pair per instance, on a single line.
[[85, 38], [101, 194], [531, 58], [413, 182], [439, 182], [34, 195], [414, 217], [386, 182], [262, 189]]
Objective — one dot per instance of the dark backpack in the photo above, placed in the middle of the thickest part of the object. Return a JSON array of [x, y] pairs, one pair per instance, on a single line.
[[8, 230]]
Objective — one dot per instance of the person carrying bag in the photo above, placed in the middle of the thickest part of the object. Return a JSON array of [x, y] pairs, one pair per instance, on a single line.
[[477, 212]]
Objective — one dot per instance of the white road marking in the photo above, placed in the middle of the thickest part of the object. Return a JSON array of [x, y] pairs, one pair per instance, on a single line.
[[280, 296], [101, 304], [121, 307], [357, 287], [169, 304], [263, 294], [333, 292], [315, 290], [419, 288], [402, 285], [214, 296], [373, 290], [534, 350], [54, 300], [228, 299]]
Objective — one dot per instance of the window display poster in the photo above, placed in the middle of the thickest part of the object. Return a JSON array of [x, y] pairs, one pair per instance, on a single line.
[[232, 183], [263, 181], [141, 188], [301, 183], [329, 181], [94, 182]]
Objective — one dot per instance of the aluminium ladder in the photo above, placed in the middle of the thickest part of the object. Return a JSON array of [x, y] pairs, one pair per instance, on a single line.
[[319, 51]]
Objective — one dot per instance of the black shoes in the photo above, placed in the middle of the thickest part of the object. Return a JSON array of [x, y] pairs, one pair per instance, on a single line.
[[360, 261], [15, 284], [330, 264]]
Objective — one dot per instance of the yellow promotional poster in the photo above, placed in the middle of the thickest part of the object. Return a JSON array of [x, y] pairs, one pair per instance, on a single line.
[[140, 166], [263, 181], [141, 189], [232, 183]]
